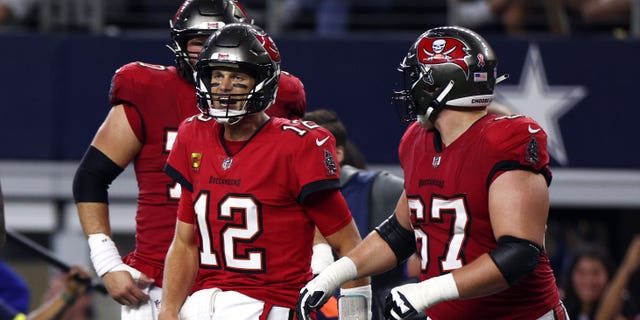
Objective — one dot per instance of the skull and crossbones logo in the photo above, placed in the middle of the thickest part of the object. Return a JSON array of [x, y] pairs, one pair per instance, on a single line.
[[438, 50]]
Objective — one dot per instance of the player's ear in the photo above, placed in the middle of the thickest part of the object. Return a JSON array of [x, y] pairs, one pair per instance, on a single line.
[[340, 153]]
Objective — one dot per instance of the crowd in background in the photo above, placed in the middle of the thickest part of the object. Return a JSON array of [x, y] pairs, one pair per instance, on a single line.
[[340, 17]]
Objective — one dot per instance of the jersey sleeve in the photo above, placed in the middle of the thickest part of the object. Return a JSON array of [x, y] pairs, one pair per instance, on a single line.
[[519, 143], [179, 164], [186, 211], [291, 99], [135, 121], [329, 211], [315, 164], [130, 86], [122, 88]]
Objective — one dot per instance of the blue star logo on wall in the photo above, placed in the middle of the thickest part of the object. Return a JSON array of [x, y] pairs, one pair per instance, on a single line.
[[546, 104]]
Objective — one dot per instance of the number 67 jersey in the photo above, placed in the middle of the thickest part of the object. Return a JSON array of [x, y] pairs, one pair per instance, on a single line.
[[247, 207], [447, 188]]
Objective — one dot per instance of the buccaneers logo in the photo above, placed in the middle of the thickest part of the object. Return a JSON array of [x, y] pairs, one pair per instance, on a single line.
[[443, 50], [269, 46]]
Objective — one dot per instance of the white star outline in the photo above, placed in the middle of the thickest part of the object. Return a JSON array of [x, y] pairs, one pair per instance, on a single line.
[[546, 104]]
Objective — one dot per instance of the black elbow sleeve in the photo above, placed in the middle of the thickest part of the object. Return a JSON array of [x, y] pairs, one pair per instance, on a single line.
[[93, 177], [515, 257], [401, 240]]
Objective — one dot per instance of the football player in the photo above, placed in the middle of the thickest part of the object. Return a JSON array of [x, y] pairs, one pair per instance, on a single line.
[[149, 102], [254, 188], [475, 201]]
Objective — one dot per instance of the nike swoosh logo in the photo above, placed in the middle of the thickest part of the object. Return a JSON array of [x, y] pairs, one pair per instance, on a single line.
[[319, 143], [533, 131]]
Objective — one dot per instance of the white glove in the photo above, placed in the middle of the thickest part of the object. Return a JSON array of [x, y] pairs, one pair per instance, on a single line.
[[322, 287], [410, 300], [322, 257]]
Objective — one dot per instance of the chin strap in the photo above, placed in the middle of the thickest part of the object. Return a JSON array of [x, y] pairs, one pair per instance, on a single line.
[[433, 106]]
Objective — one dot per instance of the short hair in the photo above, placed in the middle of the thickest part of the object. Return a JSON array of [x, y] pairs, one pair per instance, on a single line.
[[329, 120]]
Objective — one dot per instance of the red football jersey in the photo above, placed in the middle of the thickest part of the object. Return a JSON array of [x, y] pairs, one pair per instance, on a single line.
[[254, 234], [447, 188], [156, 101]]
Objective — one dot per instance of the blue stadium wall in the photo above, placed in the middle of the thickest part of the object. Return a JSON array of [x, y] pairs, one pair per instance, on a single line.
[[53, 91]]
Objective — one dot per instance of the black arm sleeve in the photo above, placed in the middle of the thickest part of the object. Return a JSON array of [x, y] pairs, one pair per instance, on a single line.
[[93, 177], [515, 257], [401, 240]]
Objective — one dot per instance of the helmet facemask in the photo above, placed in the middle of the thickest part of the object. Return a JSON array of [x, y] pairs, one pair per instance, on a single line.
[[421, 97], [224, 106]]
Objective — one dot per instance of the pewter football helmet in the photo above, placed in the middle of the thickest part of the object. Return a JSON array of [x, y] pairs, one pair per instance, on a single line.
[[200, 18], [447, 67], [249, 49]]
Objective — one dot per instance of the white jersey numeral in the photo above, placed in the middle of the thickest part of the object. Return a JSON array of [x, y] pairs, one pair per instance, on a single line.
[[301, 127], [231, 234], [451, 259], [174, 189]]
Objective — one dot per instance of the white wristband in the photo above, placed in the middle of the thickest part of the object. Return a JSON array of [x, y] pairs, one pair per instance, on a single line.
[[322, 257], [340, 272], [435, 290], [104, 254]]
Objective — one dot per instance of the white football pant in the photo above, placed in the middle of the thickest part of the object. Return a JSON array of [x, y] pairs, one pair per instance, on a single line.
[[215, 304], [146, 311]]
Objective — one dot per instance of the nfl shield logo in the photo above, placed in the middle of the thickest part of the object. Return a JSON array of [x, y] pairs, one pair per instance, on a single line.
[[226, 164], [436, 161]]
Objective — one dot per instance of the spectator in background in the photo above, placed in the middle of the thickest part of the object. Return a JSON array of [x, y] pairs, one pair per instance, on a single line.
[[598, 13], [615, 300], [371, 196], [590, 272], [479, 13], [54, 307], [3, 231], [14, 291], [375, 191], [331, 16], [81, 308], [14, 11]]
